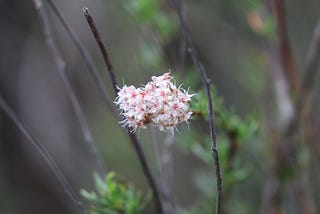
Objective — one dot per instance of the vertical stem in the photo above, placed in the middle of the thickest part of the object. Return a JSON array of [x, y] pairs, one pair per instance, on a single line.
[[206, 84], [44, 153], [286, 55], [67, 82], [86, 58], [103, 49], [132, 136]]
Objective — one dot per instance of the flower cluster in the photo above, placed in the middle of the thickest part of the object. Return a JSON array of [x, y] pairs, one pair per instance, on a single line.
[[160, 102]]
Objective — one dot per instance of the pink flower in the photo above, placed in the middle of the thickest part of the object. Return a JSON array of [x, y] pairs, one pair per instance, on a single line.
[[159, 103]]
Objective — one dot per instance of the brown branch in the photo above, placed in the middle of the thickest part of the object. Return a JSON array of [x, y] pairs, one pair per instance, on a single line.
[[305, 100], [287, 60], [67, 82], [206, 84], [312, 62], [132, 136], [86, 58], [44, 153], [103, 49]]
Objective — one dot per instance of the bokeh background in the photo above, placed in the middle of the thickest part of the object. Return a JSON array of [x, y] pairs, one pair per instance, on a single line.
[[237, 42]]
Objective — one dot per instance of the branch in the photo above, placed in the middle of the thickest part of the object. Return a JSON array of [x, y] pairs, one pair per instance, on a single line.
[[308, 83], [305, 100], [86, 57], [313, 57], [132, 136], [287, 60], [44, 153], [67, 82], [103, 49], [206, 84]]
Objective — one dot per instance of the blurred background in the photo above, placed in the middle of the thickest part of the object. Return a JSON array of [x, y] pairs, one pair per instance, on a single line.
[[255, 53]]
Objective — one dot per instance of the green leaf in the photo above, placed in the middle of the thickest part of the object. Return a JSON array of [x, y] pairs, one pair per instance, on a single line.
[[100, 184], [113, 196]]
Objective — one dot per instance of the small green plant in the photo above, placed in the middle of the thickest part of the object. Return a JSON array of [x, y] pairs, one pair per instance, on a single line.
[[114, 196], [234, 133]]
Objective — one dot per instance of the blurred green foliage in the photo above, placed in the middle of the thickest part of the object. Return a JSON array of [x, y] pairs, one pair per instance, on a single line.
[[233, 131], [226, 120], [150, 13], [160, 25], [114, 196]]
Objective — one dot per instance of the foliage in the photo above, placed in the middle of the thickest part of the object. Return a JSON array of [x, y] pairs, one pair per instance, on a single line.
[[114, 196], [233, 133], [161, 26], [226, 120], [150, 13]]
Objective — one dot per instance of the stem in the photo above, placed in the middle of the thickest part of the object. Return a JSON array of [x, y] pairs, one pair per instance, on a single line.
[[313, 58], [132, 136], [103, 49], [44, 153], [206, 84], [287, 60], [86, 58], [67, 82], [147, 172]]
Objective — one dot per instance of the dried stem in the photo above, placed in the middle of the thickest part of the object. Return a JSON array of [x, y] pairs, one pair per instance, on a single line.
[[132, 136], [312, 62], [286, 55], [67, 82], [163, 156], [86, 57], [166, 165], [44, 153], [206, 84], [103, 49], [305, 100]]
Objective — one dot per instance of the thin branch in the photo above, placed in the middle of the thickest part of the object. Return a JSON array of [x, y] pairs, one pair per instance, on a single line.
[[147, 172], [103, 49], [312, 61], [67, 82], [132, 136], [206, 84], [163, 157], [166, 165], [44, 153], [305, 100], [86, 57], [287, 60]]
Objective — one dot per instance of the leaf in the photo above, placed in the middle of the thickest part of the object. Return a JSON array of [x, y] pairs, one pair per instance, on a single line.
[[114, 196], [100, 184]]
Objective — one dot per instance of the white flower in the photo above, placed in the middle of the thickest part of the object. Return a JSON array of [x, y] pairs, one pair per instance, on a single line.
[[159, 102]]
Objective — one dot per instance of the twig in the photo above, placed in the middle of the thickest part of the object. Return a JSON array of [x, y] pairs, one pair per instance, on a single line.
[[45, 154], [86, 57], [132, 136], [166, 165], [103, 49], [312, 61], [206, 84], [147, 172], [305, 100], [163, 156], [66, 80], [287, 60]]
